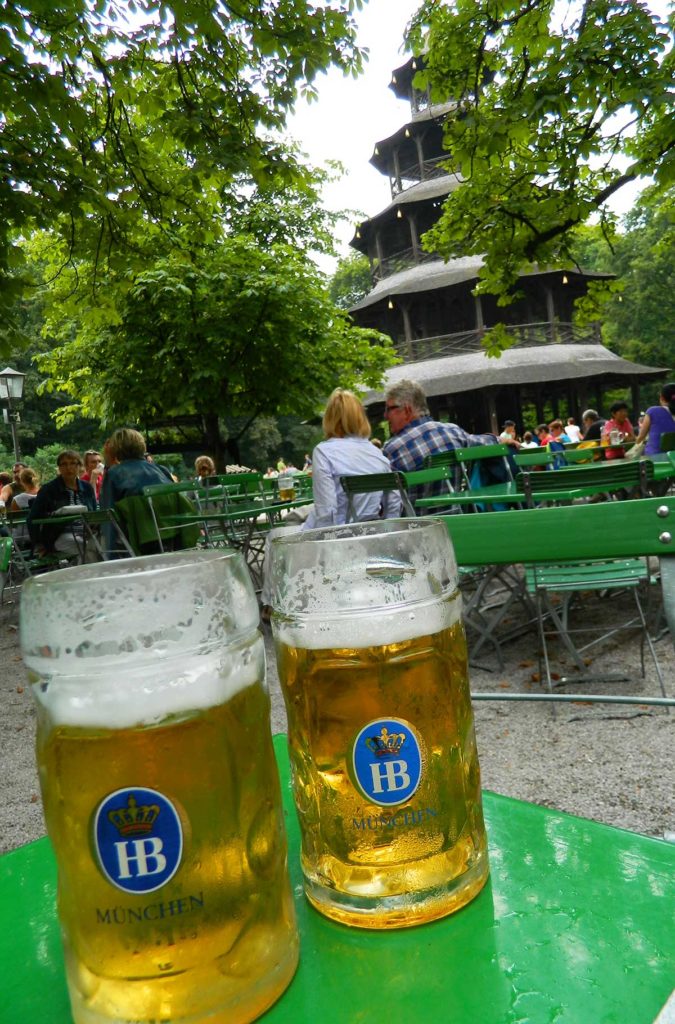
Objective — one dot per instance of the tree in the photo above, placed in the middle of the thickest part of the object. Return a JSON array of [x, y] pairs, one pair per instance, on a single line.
[[638, 314], [116, 113], [238, 331], [351, 281], [557, 107]]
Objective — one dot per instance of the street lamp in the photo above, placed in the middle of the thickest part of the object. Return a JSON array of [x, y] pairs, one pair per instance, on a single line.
[[11, 390]]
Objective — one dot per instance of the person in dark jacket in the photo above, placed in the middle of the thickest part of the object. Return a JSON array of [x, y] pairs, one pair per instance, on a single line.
[[131, 471], [64, 490]]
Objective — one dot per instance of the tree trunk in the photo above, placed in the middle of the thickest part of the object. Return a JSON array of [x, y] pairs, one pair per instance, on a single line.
[[214, 441], [232, 445]]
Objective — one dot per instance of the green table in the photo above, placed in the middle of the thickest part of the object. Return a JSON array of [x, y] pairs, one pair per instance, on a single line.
[[575, 926]]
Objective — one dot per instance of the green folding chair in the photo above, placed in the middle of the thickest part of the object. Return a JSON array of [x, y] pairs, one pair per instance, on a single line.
[[369, 483], [576, 548], [543, 458]]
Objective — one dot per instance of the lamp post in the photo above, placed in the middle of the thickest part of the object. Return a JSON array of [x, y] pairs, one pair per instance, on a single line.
[[11, 390]]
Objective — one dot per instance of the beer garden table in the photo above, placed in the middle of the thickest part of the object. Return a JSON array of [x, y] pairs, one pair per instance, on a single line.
[[574, 925], [91, 522]]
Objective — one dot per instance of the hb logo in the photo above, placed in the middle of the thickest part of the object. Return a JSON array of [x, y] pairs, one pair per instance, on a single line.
[[138, 839], [387, 762]]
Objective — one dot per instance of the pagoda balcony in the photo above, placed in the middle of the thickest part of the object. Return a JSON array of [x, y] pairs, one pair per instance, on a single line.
[[398, 261], [545, 333], [419, 171]]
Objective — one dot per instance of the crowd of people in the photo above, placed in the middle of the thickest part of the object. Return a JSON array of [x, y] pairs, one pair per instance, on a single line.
[[124, 467]]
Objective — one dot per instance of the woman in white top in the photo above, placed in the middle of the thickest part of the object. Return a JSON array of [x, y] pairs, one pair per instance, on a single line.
[[347, 451]]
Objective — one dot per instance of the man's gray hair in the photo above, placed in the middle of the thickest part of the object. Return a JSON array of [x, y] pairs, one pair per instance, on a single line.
[[408, 392], [591, 414]]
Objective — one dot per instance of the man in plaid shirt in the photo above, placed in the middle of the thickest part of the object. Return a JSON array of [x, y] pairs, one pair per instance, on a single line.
[[415, 434]]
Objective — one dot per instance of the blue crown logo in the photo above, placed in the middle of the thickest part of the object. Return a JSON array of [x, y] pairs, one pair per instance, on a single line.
[[386, 744], [133, 820]]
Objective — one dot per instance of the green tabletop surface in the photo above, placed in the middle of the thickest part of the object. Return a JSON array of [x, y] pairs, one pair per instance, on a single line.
[[234, 514], [575, 926]]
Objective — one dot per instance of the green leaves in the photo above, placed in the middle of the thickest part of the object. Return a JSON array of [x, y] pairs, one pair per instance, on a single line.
[[229, 329], [113, 120], [549, 101]]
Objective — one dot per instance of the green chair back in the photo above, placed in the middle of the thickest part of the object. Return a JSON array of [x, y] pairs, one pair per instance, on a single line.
[[614, 476], [368, 483], [612, 529], [527, 459], [448, 458], [144, 519], [466, 457]]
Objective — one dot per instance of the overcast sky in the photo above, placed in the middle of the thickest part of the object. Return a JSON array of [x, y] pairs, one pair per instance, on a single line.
[[352, 114]]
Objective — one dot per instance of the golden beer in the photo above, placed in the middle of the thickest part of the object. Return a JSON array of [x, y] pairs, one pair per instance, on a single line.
[[382, 744], [286, 486], [164, 810]]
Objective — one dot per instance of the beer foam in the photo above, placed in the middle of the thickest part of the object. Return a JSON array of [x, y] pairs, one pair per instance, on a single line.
[[131, 642], [371, 627], [124, 698]]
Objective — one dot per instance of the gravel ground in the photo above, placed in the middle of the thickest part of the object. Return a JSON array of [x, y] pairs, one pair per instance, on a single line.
[[611, 763]]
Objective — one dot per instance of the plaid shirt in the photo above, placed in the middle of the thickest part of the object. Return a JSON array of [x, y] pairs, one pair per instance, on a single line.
[[408, 449]]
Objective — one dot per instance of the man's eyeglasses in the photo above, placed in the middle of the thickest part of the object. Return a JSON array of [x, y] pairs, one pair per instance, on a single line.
[[390, 408]]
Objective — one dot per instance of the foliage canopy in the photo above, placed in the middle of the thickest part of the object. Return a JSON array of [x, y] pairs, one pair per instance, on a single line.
[[243, 330], [118, 113], [557, 107]]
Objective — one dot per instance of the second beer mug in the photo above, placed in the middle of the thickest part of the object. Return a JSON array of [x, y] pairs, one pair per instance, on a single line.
[[372, 662], [160, 789]]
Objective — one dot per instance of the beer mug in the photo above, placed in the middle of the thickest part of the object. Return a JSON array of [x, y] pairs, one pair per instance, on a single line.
[[160, 789], [373, 666], [286, 485]]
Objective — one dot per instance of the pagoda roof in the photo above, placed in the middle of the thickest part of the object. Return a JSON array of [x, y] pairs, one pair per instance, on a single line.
[[404, 134], [426, 277], [449, 375], [433, 188], [402, 76]]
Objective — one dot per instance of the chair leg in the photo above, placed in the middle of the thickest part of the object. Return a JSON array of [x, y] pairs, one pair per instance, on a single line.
[[560, 628], [650, 643], [543, 648]]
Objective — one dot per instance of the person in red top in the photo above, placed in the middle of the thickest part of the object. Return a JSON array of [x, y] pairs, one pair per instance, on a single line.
[[621, 427], [93, 471]]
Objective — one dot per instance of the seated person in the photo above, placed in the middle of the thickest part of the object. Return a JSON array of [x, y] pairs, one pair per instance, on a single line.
[[620, 426], [347, 451], [556, 433], [21, 502], [508, 434], [204, 468], [93, 471], [131, 471], [12, 487], [65, 489], [593, 425]]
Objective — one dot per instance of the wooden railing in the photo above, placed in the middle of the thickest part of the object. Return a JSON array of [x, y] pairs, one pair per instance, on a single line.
[[402, 260], [415, 173], [544, 333]]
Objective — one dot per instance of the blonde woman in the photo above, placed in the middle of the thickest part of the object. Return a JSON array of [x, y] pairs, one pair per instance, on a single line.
[[347, 451]]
